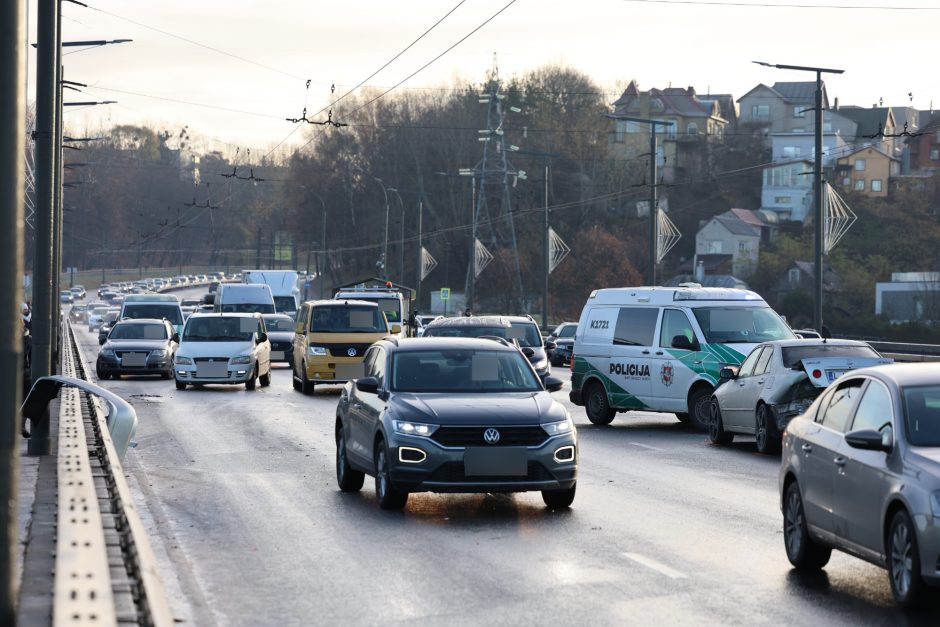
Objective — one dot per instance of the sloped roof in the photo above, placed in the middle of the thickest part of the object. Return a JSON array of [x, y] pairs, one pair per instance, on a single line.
[[877, 149], [869, 121], [801, 92], [726, 105], [736, 226], [675, 101], [749, 216]]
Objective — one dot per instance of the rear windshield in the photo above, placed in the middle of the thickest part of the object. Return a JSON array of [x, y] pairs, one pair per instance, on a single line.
[[170, 311], [462, 371], [247, 308], [465, 331], [279, 324], [138, 331], [567, 331], [285, 303], [793, 355], [220, 329], [922, 414], [348, 319]]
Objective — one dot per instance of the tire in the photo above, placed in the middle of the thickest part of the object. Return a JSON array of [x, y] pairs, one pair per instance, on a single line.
[[166, 376], [597, 406], [348, 479], [180, 385], [102, 375], [682, 417], [385, 492], [252, 381], [802, 551], [306, 386], [907, 585], [766, 437], [265, 379], [699, 408], [559, 499], [716, 428]]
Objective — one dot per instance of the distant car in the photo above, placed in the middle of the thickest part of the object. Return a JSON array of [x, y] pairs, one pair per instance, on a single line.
[[106, 323], [526, 331], [453, 414], [77, 313], [778, 381], [66, 296], [95, 317], [229, 348], [563, 339], [142, 346], [860, 473], [280, 329], [809, 334], [78, 291], [423, 322]]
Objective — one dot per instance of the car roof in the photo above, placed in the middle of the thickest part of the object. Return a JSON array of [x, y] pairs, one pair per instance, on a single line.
[[471, 321], [222, 314], [341, 301], [276, 316], [903, 374], [520, 320], [448, 343], [142, 321]]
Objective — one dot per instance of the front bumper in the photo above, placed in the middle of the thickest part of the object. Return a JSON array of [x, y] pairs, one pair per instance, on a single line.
[[238, 373], [113, 365], [333, 369], [443, 468], [928, 541]]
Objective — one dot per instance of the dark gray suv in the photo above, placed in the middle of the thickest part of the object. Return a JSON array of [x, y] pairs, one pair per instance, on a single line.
[[454, 415]]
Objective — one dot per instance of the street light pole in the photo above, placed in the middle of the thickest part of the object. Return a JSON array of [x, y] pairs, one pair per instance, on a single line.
[[817, 185]]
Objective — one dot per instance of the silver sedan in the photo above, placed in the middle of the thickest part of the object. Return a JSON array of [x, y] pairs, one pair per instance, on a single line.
[[861, 473]]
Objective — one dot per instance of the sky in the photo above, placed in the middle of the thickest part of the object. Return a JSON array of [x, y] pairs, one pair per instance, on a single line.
[[233, 71]]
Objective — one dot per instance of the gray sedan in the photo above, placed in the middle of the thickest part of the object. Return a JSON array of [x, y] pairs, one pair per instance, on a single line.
[[861, 473]]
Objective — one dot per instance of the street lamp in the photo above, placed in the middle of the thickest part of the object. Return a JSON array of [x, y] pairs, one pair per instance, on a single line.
[[385, 246]]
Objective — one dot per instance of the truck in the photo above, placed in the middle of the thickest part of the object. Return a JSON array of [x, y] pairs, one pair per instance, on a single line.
[[391, 301], [284, 288]]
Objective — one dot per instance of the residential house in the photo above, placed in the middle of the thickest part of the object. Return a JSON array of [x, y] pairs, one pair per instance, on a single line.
[[876, 127], [788, 190], [738, 232], [867, 170], [695, 122], [909, 297], [925, 148], [799, 277], [789, 108]]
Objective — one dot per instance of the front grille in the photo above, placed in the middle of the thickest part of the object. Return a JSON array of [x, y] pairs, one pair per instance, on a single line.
[[454, 472], [473, 436], [342, 350], [280, 346], [206, 359]]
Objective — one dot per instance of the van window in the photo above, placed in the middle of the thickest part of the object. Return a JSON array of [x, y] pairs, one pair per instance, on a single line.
[[744, 325], [675, 322], [285, 303], [264, 308], [635, 326]]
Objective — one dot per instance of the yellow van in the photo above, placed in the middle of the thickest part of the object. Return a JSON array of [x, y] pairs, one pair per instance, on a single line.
[[331, 338]]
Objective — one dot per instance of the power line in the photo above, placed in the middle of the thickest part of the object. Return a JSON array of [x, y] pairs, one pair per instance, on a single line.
[[726, 3]]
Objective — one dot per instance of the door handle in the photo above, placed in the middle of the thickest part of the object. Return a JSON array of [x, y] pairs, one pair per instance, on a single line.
[[659, 352], [839, 461], [807, 448], [646, 352], [760, 380]]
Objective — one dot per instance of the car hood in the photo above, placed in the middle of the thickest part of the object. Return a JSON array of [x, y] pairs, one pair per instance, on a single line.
[[478, 409], [189, 348], [124, 345]]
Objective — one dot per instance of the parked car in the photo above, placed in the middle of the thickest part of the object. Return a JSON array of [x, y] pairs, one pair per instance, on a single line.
[[454, 415], [860, 473], [778, 381], [142, 346], [423, 322], [280, 329], [228, 348], [563, 339]]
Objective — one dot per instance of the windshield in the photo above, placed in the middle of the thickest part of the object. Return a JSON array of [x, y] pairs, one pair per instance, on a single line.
[[285, 303], [465, 331], [220, 329], [279, 324], [391, 308], [462, 371], [741, 325], [527, 334], [99, 311], [170, 311], [348, 319], [138, 332], [922, 414], [566, 330], [247, 308], [792, 355]]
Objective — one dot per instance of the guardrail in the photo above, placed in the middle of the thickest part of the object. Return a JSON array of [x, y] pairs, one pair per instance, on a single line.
[[907, 352]]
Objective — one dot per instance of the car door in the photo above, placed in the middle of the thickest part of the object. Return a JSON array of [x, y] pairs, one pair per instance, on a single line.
[[819, 451], [734, 408], [300, 338], [373, 405], [359, 443], [630, 358], [864, 478], [672, 373]]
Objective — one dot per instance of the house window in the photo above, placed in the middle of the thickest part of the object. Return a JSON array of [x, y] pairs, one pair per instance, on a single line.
[[860, 185], [793, 277], [791, 152], [760, 112], [935, 154], [846, 182], [671, 130], [876, 185], [859, 165], [692, 129], [713, 247], [783, 200], [799, 111], [744, 248]]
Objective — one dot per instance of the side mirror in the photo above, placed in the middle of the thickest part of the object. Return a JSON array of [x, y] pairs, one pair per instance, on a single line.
[[527, 351], [102, 340], [727, 373], [553, 384], [684, 343], [262, 338], [175, 338], [369, 385], [870, 440], [549, 345], [396, 328]]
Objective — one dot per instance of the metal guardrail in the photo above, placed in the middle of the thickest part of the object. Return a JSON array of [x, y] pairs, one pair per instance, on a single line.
[[907, 352]]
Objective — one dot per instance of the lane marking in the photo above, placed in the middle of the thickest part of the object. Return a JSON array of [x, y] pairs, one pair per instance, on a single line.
[[654, 565], [646, 446]]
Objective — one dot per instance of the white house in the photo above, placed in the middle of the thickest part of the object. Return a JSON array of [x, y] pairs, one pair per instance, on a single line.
[[736, 232]]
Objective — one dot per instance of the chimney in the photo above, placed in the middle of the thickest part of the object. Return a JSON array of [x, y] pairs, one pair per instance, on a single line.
[[700, 272]]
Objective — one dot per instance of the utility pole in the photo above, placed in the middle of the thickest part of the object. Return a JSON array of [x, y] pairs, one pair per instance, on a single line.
[[12, 148], [322, 266], [420, 252], [819, 217]]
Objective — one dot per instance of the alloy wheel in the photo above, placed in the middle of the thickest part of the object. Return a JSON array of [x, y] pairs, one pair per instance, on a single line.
[[901, 559], [793, 524]]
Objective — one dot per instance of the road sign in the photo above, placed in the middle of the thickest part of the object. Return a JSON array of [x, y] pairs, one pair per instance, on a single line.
[[445, 293]]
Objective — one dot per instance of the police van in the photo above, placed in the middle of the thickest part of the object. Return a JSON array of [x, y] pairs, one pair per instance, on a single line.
[[661, 348]]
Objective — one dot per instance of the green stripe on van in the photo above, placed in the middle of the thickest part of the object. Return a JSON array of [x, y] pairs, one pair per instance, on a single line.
[[618, 397]]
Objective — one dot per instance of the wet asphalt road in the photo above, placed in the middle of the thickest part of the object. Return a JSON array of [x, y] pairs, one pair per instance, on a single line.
[[238, 491]]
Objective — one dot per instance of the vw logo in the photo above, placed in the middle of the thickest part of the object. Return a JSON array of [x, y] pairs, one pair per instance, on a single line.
[[351, 352], [491, 436]]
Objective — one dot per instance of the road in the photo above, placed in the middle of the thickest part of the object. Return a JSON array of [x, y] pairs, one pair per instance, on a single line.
[[239, 493]]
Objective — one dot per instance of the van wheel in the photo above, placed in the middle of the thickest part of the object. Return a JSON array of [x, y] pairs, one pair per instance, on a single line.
[[700, 408], [682, 417], [597, 406], [253, 380], [265, 379], [306, 386]]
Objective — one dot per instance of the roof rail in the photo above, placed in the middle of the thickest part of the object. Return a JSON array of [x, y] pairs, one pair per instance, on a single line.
[[496, 338]]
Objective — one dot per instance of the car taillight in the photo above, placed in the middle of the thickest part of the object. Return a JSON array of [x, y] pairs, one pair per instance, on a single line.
[[817, 373]]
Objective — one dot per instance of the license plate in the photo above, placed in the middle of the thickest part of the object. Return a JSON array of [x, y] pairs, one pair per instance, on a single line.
[[349, 371], [832, 375], [277, 355], [506, 461], [134, 360], [212, 369]]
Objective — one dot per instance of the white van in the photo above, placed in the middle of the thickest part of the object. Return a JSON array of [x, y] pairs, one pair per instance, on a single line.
[[241, 298], [390, 300], [661, 348], [284, 288], [159, 306]]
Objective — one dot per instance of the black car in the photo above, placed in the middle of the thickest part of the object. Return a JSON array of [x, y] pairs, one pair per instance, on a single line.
[[521, 329], [77, 313], [563, 339], [281, 335], [138, 346], [454, 415], [106, 323]]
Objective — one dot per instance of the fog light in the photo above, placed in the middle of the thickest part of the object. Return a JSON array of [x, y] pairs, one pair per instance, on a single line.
[[411, 455], [564, 454]]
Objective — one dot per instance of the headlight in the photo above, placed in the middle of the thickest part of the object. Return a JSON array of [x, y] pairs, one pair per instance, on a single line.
[[316, 351], [541, 365], [413, 428], [107, 352], [557, 428], [185, 361], [935, 503], [159, 353], [242, 359]]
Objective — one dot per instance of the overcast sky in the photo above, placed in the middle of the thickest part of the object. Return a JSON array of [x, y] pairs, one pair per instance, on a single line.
[[886, 54]]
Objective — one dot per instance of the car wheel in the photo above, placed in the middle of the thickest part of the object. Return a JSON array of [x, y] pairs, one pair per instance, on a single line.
[[802, 551], [102, 375], [306, 386], [385, 492], [700, 408], [180, 385], [907, 585], [348, 479], [765, 432], [682, 417], [265, 379], [596, 405], [252, 381], [716, 428], [559, 499]]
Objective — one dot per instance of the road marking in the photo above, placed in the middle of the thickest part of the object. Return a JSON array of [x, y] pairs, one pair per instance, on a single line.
[[653, 564], [646, 446]]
